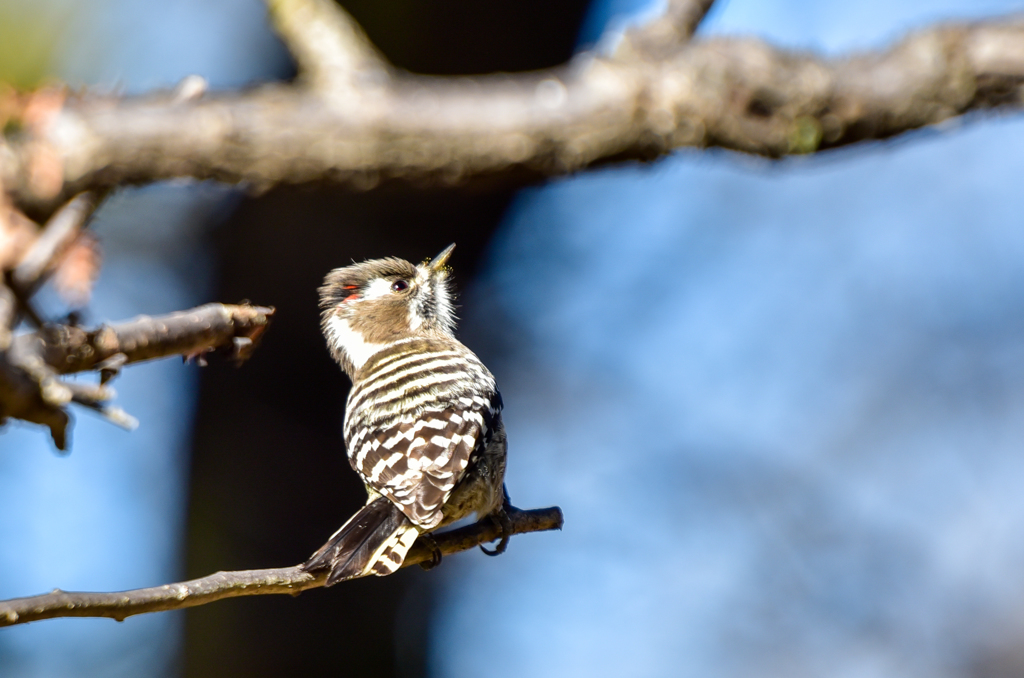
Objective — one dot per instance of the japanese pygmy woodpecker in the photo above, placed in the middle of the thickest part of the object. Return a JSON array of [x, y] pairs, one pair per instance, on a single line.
[[423, 421]]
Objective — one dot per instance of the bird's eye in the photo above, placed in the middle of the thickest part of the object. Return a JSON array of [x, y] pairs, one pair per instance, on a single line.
[[399, 285]]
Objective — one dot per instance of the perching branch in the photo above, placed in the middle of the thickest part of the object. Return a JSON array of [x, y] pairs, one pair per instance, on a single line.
[[291, 580], [353, 120]]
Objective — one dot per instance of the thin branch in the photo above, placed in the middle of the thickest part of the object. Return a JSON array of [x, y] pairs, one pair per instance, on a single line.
[[31, 390], [741, 94], [333, 53], [98, 398], [668, 32], [290, 580], [69, 349], [8, 315], [686, 15], [57, 235], [41, 259]]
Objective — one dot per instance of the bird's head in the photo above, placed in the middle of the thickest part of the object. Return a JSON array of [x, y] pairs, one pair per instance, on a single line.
[[369, 305]]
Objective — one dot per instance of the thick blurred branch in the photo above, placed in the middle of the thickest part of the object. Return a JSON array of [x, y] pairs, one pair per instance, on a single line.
[[291, 580], [353, 120]]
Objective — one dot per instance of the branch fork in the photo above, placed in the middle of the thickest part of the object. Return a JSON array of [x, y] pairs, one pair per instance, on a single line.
[[30, 387]]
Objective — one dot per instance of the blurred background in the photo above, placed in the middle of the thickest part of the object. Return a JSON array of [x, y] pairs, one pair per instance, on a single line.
[[780, 403]]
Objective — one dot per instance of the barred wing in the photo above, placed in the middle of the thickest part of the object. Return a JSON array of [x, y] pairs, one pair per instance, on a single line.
[[416, 463]]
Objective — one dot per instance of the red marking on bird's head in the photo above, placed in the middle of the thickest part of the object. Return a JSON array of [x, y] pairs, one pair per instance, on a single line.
[[351, 296]]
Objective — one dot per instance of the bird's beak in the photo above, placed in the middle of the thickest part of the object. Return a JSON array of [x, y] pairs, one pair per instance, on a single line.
[[438, 262]]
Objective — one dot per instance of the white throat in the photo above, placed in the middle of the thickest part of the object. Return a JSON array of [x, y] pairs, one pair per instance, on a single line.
[[350, 342]]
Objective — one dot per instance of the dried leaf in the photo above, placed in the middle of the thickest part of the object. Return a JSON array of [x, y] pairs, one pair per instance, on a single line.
[[78, 270], [10, 105], [45, 169], [42, 106]]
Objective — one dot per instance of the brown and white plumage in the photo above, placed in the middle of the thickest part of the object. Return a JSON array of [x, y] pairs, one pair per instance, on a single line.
[[423, 420]]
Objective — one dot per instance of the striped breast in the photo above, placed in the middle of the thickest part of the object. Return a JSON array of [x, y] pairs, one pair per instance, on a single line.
[[418, 414]]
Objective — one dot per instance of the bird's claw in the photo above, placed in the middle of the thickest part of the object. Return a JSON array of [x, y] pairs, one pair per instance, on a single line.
[[435, 551], [501, 519]]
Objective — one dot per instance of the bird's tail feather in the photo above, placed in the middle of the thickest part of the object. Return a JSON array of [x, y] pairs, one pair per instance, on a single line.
[[375, 540]]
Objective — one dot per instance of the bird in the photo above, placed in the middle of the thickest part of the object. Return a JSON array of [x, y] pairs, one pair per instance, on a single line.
[[423, 427]]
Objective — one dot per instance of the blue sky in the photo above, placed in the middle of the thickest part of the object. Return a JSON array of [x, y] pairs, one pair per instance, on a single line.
[[780, 403], [71, 527]]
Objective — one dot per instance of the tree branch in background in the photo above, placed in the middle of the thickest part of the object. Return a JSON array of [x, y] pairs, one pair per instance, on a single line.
[[352, 120], [31, 364], [30, 368], [666, 33], [290, 580], [56, 236], [190, 333], [334, 55]]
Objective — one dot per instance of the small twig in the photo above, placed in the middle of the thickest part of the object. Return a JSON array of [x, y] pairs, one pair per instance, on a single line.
[[111, 367], [669, 32], [190, 88], [291, 580], [22, 304], [58, 233], [97, 398], [8, 315], [687, 15], [42, 257], [72, 349], [89, 395], [31, 391], [331, 49]]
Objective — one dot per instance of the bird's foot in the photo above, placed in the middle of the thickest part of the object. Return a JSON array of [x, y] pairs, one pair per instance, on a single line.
[[501, 519], [435, 551]]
